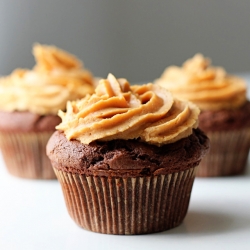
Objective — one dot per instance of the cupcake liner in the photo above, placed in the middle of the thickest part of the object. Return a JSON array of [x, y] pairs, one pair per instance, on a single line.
[[137, 205], [25, 154], [228, 154]]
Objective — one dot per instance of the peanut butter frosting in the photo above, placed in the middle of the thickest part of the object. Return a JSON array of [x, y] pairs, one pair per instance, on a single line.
[[56, 78], [211, 88], [119, 111]]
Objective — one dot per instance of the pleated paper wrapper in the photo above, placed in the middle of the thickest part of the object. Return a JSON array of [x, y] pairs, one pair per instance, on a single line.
[[137, 205], [227, 155], [25, 156]]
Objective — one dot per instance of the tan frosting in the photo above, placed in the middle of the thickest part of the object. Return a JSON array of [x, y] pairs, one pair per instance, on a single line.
[[56, 78], [211, 88], [119, 111]]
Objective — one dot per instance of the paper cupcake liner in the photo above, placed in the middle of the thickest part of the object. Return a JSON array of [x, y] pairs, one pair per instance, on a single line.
[[127, 205], [227, 155], [25, 156]]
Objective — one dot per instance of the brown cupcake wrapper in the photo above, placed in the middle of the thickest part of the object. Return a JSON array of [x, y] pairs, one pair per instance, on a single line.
[[127, 205], [25, 156], [228, 154]]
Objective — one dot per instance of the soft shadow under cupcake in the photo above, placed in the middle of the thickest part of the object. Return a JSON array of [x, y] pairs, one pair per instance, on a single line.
[[208, 223]]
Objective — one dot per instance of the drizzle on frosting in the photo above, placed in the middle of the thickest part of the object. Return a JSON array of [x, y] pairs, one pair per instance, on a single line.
[[56, 78], [211, 88], [119, 111]]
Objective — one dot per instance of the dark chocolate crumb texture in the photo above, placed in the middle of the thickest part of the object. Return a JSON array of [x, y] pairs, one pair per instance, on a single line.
[[126, 158], [222, 120], [25, 121]]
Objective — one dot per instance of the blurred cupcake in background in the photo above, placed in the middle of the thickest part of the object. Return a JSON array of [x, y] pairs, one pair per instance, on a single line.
[[29, 102], [225, 112]]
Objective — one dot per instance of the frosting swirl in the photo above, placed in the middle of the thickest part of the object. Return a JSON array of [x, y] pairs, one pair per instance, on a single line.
[[119, 111], [56, 78], [211, 88]]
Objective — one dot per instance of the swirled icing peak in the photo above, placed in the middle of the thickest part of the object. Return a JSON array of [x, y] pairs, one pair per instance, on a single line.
[[119, 111], [211, 88], [56, 78]]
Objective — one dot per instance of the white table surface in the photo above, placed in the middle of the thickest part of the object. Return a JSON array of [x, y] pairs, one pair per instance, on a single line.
[[33, 216]]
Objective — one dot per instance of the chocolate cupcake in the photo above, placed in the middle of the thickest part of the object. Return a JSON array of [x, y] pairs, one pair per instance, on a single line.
[[29, 102], [126, 158], [225, 112]]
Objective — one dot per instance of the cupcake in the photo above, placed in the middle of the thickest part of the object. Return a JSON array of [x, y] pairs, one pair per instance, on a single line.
[[29, 102], [126, 158], [225, 112]]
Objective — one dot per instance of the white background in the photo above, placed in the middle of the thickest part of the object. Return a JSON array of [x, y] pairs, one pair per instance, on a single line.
[[33, 216]]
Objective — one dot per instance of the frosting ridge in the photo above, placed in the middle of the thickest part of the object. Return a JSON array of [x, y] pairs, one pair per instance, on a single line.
[[211, 88], [119, 111], [56, 78]]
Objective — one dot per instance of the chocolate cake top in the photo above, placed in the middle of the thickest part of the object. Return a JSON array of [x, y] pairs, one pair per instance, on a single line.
[[222, 120], [126, 158], [27, 122]]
